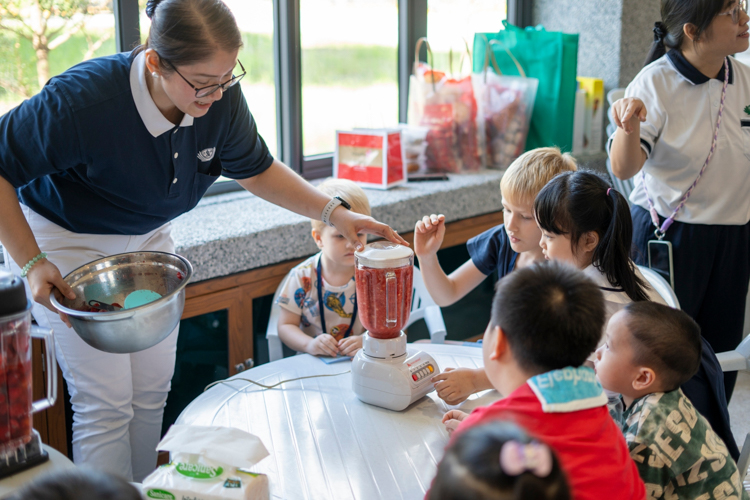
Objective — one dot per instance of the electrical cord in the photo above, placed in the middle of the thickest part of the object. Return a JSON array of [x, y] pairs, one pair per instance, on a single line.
[[226, 381]]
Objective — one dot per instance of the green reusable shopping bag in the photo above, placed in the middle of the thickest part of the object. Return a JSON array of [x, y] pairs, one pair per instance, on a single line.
[[552, 58]]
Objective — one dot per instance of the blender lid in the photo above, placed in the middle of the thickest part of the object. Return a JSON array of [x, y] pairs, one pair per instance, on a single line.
[[384, 254], [12, 294]]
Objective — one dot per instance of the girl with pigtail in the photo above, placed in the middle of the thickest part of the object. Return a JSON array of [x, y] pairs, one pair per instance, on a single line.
[[587, 223], [684, 136]]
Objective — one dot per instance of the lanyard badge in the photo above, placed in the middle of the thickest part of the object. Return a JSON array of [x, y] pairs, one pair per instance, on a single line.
[[660, 256]]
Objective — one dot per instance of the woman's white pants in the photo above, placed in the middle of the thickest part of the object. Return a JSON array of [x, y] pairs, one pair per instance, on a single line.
[[118, 399]]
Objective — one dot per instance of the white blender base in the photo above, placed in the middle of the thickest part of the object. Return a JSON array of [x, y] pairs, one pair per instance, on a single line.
[[384, 374]]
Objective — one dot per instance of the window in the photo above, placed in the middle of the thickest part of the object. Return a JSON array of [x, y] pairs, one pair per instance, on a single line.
[[451, 25], [349, 68], [75, 32]]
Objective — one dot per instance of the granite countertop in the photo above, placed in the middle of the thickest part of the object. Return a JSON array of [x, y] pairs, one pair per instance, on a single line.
[[235, 232]]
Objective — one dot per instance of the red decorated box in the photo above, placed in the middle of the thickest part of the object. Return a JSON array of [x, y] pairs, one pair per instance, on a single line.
[[371, 158]]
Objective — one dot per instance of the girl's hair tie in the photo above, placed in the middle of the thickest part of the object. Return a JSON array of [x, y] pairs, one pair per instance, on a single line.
[[517, 458], [660, 32], [608, 190]]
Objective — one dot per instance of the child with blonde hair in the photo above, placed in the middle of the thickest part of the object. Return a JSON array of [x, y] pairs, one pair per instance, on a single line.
[[318, 300], [508, 246]]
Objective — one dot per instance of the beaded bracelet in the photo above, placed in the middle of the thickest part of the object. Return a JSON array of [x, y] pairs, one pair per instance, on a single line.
[[31, 263]]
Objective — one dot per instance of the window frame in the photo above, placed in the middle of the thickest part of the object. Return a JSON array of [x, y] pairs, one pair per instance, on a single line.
[[412, 24]]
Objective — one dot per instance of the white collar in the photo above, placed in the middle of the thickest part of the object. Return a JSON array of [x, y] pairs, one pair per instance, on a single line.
[[155, 122], [611, 293]]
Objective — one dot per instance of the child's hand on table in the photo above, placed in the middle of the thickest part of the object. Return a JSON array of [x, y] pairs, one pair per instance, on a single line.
[[452, 419], [454, 385], [323, 345], [428, 234], [349, 346]]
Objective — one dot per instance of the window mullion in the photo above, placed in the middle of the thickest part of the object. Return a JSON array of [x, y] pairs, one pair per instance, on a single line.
[[288, 76], [412, 25], [520, 12], [127, 24]]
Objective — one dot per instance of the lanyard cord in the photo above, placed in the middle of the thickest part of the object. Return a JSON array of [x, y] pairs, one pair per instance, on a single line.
[[321, 306], [661, 230]]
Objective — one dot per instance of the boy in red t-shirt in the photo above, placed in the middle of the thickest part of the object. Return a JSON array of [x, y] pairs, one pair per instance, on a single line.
[[546, 319]]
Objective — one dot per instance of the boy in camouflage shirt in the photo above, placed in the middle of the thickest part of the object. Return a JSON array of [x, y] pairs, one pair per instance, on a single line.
[[650, 351]]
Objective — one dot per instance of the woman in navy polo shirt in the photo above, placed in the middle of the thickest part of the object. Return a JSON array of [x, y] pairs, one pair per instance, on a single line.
[[684, 133], [101, 160]]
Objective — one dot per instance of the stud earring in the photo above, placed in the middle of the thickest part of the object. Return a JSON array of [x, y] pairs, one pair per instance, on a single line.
[[155, 75]]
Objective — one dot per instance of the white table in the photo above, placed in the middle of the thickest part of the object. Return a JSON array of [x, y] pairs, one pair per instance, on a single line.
[[57, 462], [324, 442]]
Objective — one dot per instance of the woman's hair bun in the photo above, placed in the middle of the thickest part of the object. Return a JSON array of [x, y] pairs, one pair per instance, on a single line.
[[151, 7]]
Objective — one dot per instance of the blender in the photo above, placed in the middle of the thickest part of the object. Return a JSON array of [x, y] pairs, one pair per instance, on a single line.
[[20, 445], [385, 372]]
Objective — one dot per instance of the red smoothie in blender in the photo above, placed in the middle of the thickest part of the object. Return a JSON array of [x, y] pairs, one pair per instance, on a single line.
[[384, 274], [15, 384]]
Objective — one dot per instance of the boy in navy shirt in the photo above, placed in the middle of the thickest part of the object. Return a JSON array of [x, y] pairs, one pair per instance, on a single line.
[[508, 246]]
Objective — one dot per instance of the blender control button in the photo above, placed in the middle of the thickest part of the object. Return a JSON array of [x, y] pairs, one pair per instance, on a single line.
[[430, 368], [414, 377]]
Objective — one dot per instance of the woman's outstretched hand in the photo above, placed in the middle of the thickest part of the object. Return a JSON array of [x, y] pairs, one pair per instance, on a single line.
[[349, 224]]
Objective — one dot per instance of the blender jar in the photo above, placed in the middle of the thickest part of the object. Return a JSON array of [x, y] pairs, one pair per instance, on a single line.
[[16, 331], [384, 274]]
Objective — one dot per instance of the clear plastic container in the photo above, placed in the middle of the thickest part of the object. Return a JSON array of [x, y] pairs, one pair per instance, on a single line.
[[16, 406], [384, 275]]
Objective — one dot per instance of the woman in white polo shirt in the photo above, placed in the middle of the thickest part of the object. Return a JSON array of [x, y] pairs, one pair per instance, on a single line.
[[684, 133], [101, 161]]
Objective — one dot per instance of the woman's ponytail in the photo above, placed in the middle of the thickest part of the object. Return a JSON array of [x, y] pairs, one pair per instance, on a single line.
[[658, 48], [612, 254]]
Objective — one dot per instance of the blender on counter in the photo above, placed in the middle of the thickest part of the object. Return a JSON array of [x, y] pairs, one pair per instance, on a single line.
[[384, 372], [20, 445]]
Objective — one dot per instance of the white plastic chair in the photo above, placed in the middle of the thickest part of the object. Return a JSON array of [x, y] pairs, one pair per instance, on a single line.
[[422, 307], [624, 187], [730, 361], [661, 286]]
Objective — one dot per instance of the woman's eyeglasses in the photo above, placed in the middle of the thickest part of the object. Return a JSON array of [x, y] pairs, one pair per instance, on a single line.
[[210, 89], [735, 12]]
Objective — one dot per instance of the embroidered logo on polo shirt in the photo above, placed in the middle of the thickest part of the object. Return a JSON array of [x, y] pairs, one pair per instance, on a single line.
[[207, 154]]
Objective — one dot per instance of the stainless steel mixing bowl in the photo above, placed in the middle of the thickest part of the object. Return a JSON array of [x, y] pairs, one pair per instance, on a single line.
[[110, 280]]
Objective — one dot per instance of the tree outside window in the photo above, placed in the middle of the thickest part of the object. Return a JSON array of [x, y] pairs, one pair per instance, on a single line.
[[42, 38]]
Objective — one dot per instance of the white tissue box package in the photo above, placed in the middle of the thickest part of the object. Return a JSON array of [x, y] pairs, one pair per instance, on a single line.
[[191, 481]]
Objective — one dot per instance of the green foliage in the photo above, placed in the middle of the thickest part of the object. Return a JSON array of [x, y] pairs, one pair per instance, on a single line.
[[11, 10], [18, 61], [257, 57], [346, 65], [349, 65]]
